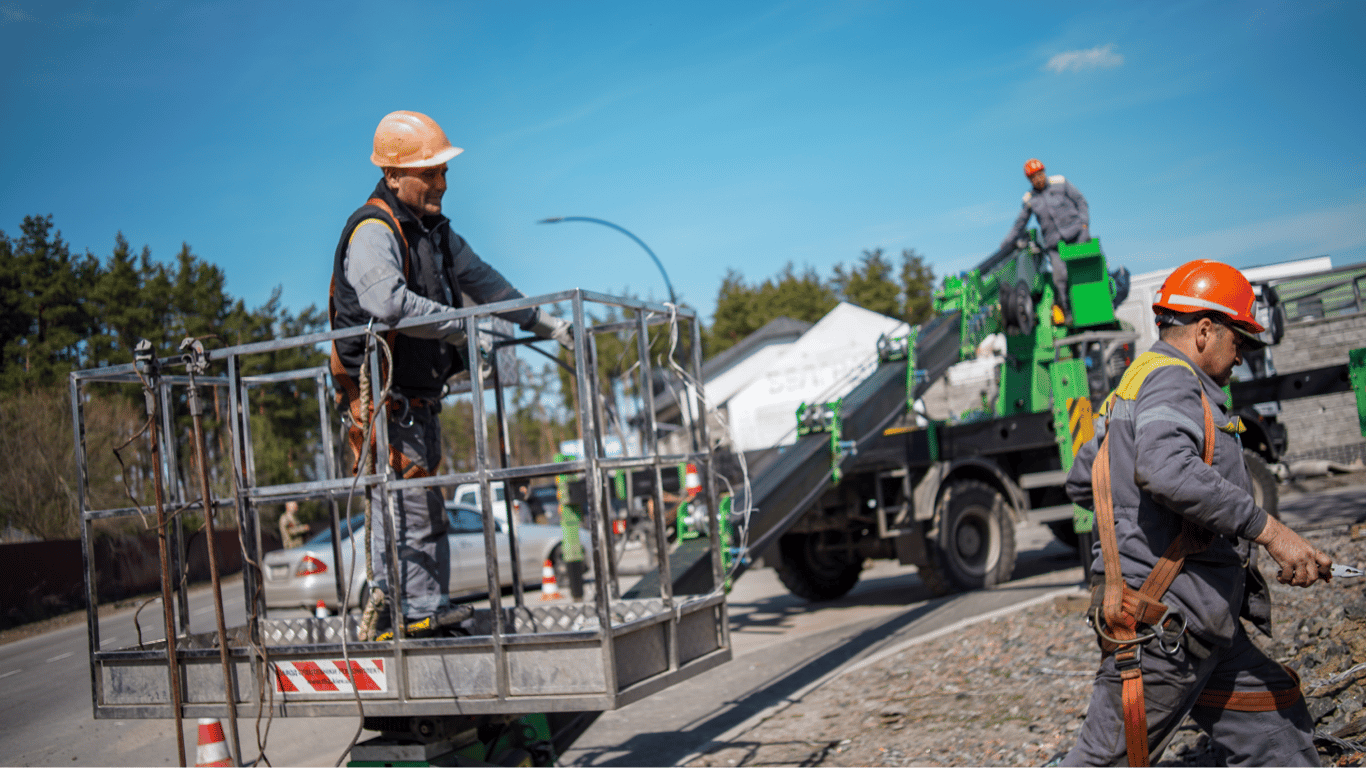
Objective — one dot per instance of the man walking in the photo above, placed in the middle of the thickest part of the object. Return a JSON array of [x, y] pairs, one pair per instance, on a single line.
[[398, 258], [1177, 524]]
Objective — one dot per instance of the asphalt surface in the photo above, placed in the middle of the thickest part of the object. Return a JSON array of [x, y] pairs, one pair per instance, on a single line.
[[781, 645]]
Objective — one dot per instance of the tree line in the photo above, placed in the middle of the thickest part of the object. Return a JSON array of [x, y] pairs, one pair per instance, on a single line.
[[873, 282], [61, 311]]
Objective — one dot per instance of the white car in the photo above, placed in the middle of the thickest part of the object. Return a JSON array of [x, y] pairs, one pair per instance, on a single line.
[[467, 494], [301, 576]]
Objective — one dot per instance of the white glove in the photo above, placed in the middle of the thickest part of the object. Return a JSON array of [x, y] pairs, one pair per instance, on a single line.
[[547, 326]]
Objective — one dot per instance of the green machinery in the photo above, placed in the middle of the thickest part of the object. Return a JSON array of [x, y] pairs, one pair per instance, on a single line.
[[889, 482], [1052, 362]]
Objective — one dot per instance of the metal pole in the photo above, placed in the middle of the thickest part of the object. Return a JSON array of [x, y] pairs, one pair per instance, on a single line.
[[509, 487], [147, 360], [197, 362]]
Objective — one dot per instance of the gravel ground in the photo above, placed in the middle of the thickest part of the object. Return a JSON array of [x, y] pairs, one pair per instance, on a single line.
[[1014, 690]]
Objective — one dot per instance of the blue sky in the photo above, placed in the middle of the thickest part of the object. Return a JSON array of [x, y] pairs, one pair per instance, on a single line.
[[725, 135]]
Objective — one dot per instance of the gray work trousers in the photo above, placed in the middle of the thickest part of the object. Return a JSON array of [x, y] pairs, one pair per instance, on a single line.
[[1172, 683], [424, 551], [1060, 296]]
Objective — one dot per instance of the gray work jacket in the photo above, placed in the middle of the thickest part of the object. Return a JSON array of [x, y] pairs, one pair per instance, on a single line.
[[1060, 210], [1158, 477], [368, 281]]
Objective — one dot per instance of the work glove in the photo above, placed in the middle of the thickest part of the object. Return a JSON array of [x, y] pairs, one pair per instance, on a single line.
[[458, 340], [547, 326]]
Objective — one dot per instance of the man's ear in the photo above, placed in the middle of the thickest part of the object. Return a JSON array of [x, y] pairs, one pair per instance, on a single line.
[[1205, 330], [391, 179]]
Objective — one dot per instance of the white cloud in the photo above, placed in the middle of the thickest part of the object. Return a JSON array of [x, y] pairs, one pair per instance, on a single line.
[[1100, 57], [11, 12]]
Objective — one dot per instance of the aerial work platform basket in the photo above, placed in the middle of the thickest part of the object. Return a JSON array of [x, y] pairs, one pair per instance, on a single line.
[[527, 656]]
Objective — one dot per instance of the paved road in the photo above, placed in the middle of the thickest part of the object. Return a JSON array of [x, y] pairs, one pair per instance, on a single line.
[[781, 644]]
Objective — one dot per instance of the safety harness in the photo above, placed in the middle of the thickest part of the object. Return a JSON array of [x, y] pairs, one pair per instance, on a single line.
[[1124, 618], [349, 393]]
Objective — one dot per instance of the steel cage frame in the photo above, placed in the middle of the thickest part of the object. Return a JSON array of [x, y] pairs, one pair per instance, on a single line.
[[629, 648]]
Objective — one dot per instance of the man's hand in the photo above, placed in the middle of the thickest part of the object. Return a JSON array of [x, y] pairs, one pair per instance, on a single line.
[[1301, 564], [547, 326]]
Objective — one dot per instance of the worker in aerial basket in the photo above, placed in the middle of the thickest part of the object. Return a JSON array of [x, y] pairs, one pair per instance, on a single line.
[[398, 258], [1063, 218], [1176, 525]]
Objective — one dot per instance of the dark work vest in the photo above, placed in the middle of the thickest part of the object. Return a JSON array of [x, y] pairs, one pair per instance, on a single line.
[[421, 366]]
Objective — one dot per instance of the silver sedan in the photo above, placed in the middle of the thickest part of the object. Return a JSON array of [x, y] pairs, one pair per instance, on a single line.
[[301, 576]]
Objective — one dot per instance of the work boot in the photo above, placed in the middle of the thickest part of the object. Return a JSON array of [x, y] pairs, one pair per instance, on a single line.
[[450, 620], [413, 629], [446, 623]]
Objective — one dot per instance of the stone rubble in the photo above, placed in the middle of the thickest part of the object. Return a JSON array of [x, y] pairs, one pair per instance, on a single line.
[[1014, 690]]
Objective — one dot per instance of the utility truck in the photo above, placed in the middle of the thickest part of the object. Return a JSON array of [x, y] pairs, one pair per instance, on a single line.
[[871, 476]]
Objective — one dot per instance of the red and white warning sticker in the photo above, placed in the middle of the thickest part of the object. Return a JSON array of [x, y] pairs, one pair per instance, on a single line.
[[330, 676]]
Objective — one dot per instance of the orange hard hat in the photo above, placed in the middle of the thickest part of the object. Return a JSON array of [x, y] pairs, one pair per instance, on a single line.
[[1033, 166], [1203, 286], [411, 140]]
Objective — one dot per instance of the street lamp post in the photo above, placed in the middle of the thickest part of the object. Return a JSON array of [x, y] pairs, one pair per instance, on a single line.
[[673, 299], [685, 402]]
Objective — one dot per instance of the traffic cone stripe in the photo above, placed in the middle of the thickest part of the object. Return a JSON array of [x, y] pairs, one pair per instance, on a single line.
[[550, 590], [693, 483], [213, 745]]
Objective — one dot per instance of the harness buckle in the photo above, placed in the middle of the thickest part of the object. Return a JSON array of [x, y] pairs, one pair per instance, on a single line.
[[1124, 662], [1168, 636], [405, 417]]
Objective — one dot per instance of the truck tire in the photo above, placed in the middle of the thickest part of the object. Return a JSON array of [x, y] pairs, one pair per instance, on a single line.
[[975, 547], [814, 572], [1264, 490]]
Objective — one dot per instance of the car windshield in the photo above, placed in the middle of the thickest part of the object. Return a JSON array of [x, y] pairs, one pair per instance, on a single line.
[[324, 536]]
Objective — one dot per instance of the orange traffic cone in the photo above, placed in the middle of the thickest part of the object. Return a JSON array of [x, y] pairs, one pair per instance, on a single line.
[[550, 590], [321, 611], [692, 483], [213, 746]]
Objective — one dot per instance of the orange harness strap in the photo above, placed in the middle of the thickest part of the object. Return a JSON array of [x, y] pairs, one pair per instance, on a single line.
[[348, 393]]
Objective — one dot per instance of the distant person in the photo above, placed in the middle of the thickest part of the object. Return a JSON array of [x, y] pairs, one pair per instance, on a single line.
[[1063, 217], [1178, 529], [535, 510], [291, 530], [398, 258]]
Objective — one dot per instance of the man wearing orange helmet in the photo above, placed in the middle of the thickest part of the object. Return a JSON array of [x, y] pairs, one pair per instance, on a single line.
[[1062, 215], [1176, 524], [398, 258]]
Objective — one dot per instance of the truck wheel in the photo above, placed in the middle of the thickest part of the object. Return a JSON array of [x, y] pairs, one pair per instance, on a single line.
[[1264, 490], [815, 572], [976, 543]]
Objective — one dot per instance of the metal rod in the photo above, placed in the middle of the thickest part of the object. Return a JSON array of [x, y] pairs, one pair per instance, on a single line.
[[502, 682], [660, 540], [330, 472], [176, 492], [92, 605], [608, 580], [509, 490], [173, 666], [202, 459], [253, 603], [585, 368]]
